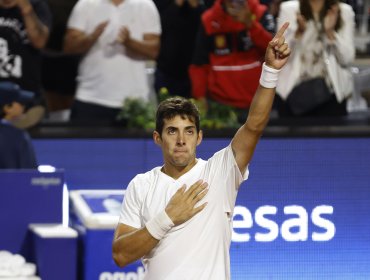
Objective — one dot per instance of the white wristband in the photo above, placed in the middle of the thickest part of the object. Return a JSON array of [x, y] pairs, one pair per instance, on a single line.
[[159, 225], [269, 76]]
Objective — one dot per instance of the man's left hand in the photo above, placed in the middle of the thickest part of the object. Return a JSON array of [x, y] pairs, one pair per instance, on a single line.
[[278, 51]]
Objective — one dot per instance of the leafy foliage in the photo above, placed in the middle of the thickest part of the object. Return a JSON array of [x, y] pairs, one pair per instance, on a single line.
[[137, 113]]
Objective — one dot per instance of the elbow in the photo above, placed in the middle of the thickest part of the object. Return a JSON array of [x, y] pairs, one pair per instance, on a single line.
[[155, 50], [255, 128], [39, 43], [154, 54], [122, 257], [67, 50], [119, 259], [68, 47]]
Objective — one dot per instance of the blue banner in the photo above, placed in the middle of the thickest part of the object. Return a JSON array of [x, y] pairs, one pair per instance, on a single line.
[[302, 214]]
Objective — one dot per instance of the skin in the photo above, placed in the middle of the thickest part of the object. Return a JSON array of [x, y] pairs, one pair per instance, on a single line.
[[192, 3], [330, 19], [37, 32], [178, 142], [240, 13], [78, 42], [13, 111]]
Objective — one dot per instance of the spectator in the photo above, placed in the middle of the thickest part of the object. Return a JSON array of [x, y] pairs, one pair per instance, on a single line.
[[180, 20], [24, 31], [116, 38], [16, 150], [59, 70], [230, 46], [321, 35]]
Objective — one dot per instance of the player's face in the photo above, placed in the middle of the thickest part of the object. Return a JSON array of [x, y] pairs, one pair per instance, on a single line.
[[8, 3], [178, 141]]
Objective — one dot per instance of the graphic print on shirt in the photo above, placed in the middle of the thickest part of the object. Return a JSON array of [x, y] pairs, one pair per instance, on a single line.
[[13, 39], [10, 65]]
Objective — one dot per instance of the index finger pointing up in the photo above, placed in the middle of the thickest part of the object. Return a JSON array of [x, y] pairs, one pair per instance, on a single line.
[[281, 31]]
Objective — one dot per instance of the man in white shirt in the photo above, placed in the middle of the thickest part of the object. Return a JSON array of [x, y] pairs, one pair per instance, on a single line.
[[115, 37], [178, 217]]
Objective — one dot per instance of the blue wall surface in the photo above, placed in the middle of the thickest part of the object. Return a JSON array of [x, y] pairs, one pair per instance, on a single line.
[[302, 214]]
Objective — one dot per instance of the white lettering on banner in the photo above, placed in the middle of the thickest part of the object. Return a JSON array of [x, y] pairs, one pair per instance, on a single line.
[[263, 222], [301, 223], [246, 222], [323, 223], [292, 229], [46, 181], [138, 275]]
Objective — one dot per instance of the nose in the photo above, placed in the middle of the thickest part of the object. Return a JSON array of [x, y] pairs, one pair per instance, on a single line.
[[180, 139]]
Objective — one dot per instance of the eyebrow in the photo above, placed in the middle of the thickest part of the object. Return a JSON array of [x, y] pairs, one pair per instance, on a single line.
[[176, 128]]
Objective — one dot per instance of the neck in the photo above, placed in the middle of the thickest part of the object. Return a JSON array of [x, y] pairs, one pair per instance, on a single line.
[[175, 171], [117, 2], [317, 5]]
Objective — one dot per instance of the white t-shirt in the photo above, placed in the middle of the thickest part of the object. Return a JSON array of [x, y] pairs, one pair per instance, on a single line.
[[109, 72], [199, 248]]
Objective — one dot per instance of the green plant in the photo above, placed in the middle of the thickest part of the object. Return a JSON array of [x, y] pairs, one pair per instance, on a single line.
[[137, 113]]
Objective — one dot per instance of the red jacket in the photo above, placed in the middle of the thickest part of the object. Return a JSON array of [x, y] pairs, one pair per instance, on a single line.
[[228, 58]]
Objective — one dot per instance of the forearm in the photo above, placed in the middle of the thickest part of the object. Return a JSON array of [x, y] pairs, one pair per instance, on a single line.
[[148, 48], [260, 108], [37, 32], [132, 246], [78, 44]]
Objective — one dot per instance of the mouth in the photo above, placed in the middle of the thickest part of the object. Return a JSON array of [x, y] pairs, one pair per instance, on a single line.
[[180, 151]]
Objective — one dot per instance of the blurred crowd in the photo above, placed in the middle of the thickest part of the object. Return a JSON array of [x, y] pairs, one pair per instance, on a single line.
[[82, 59]]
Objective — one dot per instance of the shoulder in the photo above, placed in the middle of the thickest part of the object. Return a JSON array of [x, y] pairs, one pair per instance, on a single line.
[[10, 129], [346, 9], [13, 135], [141, 182], [88, 3], [221, 155], [142, 3]]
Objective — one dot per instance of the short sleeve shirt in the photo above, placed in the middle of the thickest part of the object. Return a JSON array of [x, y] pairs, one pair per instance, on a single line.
[[108, 64], [198, 248]]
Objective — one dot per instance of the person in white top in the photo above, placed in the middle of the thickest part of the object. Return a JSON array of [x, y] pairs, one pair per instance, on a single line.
[[115, 37], [321, 34], [177, 218]]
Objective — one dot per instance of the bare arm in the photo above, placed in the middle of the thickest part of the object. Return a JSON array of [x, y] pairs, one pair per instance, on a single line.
[[247, 137], [37, 32], [78, 42], [130, 244], [148, 47]]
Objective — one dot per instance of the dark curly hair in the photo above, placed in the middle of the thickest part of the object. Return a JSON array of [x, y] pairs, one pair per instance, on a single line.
[[176, 106], [306, 11]]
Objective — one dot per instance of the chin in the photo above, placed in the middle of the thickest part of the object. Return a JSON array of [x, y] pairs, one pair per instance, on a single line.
[[181, 163]]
